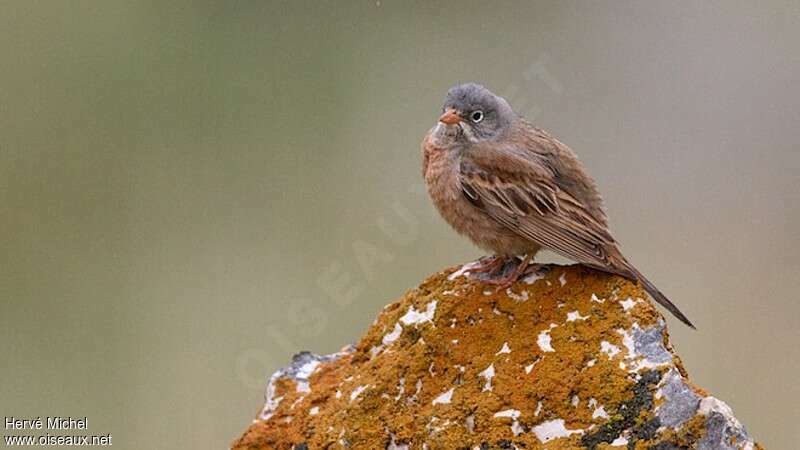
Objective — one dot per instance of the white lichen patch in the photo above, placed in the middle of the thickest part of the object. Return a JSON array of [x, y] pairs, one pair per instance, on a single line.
[[504, 349], [444, 398], [413, 317], [709, 405], [303, 373], [307, 369], [393, 335], [628, 304], [563, 279], [313, 411], [510, 413], [635, 360], [533, 278], [553, 429], [272, 402], [299, 399], [609, 349], [621, 441], [464, 270], [469, 423], [418, 387], [357, 391], [591, 363], [538, 409], [393, 445], [597, 300], [644, 348], [575, 401], [519, 298], [436, 424], [543, 340], [530, 366], [401, 388], [600, 412], [572, 316], [488, 374], [627, 341]]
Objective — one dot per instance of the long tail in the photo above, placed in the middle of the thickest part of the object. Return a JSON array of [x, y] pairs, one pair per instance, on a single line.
[[659, 297]]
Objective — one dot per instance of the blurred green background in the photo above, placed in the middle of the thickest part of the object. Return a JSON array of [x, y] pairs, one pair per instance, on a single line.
[[187, 189]]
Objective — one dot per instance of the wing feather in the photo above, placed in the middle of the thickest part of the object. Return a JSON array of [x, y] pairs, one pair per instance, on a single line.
[[536, 187], [525, 196]]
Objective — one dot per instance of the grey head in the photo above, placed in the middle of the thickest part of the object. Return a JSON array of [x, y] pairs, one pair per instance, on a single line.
[[475, 113]]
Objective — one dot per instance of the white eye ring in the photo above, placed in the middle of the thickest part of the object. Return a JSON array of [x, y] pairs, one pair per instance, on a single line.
[[476, 116]]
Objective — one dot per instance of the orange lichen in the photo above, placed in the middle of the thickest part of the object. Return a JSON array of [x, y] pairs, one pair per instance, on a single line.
[[454, 364]]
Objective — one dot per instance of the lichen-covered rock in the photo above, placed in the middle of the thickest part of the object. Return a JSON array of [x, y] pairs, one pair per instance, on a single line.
[[568, 358]]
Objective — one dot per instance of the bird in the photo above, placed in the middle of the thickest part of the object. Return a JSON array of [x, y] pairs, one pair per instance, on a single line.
[[513, 189]]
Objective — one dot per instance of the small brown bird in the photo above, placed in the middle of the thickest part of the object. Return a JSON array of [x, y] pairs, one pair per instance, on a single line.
[[514, 189]]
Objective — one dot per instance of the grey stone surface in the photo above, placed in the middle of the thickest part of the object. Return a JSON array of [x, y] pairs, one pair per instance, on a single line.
[[680, 401], [650, 344], [723, 430], [301, 367]]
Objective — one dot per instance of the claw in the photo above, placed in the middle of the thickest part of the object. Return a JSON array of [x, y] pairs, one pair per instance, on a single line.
[[495, 264], [506, 281]]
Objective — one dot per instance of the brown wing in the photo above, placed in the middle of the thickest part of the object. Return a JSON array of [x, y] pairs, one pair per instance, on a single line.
[[521, 191], [540, 191]]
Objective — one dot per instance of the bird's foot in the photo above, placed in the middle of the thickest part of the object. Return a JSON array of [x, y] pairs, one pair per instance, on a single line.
[[535, 269], [490, 265], [509, 279]]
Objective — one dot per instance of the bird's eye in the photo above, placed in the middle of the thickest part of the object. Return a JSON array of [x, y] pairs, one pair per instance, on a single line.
[[476, 116]]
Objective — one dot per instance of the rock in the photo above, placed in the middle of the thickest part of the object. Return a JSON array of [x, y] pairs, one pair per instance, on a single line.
[[570, 357]]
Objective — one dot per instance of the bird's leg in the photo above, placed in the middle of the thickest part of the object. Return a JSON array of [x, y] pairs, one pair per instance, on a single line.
[[534, 268], [507, 280], [490, 265]]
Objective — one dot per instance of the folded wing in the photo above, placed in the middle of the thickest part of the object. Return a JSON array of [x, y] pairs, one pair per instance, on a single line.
[[521, 189], [525, 195]]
